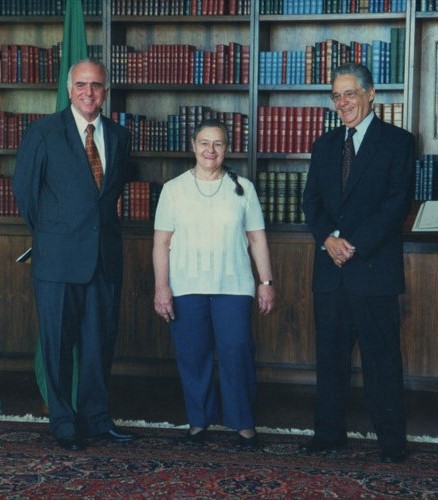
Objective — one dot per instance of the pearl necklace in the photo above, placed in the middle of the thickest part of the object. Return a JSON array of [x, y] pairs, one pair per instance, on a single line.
[[214, 192]]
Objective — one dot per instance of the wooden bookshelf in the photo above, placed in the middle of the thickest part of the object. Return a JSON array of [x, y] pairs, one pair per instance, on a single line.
[[284, 339]]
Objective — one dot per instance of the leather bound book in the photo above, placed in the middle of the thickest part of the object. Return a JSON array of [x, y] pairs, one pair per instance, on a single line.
[[282, 118], [244, 62], [290, 129], [237, 133], [261, 128]]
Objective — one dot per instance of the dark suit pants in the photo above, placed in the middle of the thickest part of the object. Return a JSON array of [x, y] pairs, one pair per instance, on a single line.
[[86, 315], [342, 318]]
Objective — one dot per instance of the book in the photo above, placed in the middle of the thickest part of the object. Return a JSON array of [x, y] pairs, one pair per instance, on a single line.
[[427, 217]]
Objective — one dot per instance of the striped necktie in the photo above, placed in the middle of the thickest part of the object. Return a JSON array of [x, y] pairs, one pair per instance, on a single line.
[[93, 156], [349, 155]]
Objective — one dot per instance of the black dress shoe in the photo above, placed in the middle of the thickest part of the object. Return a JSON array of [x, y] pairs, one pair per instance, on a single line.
[[317, 445], [70, 443], [393, 456], [116, 436], [248, 442], [196, 437]]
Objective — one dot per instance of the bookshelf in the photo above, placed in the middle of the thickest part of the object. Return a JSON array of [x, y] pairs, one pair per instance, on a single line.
[[159, 100], [284, 340]]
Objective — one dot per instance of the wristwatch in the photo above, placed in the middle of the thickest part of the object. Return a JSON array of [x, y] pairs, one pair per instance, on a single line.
[[268, 282]]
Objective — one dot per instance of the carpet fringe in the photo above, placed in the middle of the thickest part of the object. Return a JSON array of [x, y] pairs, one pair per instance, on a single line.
[[167, 425]]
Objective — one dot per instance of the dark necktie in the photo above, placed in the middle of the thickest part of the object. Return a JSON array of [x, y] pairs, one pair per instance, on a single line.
[[93, 156], [349, 155]]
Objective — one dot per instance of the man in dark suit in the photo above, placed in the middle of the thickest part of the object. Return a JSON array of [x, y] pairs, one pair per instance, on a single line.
[[358, 263], [76, 250]]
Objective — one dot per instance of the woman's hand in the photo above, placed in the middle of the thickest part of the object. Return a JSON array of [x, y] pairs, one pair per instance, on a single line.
[[163, 303], [266, 298]]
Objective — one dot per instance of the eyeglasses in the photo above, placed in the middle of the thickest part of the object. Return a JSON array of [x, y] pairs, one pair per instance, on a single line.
[[347, 94]]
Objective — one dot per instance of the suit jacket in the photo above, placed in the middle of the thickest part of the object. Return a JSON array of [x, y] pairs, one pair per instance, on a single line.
[[369, 213], [72, 223]]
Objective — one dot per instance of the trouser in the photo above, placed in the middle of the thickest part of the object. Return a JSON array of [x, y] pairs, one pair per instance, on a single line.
[[85, 315], [221, 324], [342, 318]]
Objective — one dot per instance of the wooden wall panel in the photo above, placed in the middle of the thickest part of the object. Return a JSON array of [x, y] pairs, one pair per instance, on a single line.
[[287, 334], [142, 333], [284, 340], [18, 321], [419, 310]]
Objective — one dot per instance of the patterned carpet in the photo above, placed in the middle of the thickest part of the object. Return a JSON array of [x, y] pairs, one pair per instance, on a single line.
[[160, 464]]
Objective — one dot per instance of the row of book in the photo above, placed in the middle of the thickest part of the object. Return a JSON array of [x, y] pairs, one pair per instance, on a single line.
[[390, 112], [426, 178], [181, 7], [287, 67], [139, 200], [175, 133], [46, 7], [384, 59], [427, 5], [280, 129], [13, 126], [8, 206], [300, 7], [315, 64], [227, 64], [180, 64], [32, 64], [211, 7], [281, 195], [29, 64]]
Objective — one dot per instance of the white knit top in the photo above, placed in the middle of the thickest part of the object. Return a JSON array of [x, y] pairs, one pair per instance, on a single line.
[[209, 246]]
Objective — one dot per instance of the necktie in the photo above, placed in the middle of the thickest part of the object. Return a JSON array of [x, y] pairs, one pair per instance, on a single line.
[[349, 155], [93, 156]]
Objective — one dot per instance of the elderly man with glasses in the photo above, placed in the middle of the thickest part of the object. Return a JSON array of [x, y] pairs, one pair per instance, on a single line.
[[358, 194]]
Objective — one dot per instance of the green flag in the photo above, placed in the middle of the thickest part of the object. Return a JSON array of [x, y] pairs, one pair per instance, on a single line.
[[74, 48]]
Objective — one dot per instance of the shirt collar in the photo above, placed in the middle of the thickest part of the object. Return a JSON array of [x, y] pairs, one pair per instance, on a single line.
[[82, 123], [362, 127]]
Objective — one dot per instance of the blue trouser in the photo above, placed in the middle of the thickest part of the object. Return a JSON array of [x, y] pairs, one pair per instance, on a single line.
[[221, 324]]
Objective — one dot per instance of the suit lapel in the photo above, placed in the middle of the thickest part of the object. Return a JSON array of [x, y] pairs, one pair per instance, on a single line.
[[111, 141]]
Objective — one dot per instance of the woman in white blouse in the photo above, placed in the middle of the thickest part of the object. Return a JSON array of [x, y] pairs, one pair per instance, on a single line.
[[206, 220]]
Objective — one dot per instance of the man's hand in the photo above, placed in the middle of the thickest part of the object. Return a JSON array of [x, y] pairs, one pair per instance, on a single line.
[[339, 249]]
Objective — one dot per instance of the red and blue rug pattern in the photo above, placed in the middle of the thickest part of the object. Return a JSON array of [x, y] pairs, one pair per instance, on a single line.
[[160, 464]]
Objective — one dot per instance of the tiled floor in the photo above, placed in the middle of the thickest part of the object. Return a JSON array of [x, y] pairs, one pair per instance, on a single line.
[[160, 400]]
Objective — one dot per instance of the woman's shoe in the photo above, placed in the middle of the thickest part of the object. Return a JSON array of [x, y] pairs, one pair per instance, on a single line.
[[196, 437], [248, 442]]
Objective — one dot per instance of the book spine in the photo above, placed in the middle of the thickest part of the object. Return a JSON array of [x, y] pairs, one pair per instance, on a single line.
[[261, 128], [262, 192], [280, 197]]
